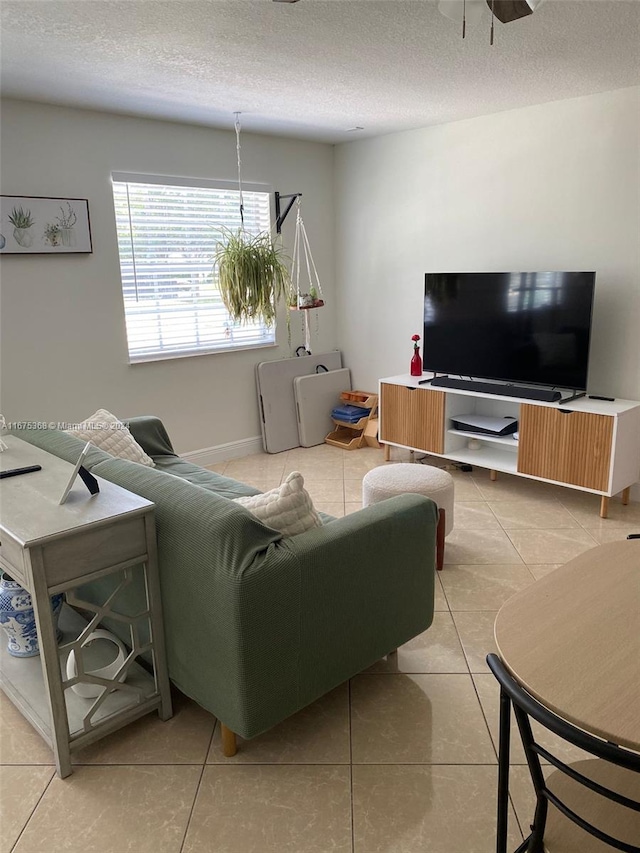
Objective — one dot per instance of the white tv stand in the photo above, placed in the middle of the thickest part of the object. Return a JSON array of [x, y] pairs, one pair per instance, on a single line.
[[590, 445]]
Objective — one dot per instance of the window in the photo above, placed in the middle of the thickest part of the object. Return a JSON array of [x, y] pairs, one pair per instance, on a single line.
[[167, 233]]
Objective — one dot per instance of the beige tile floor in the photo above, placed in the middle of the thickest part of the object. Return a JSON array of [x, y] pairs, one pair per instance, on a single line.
[[400, 760]]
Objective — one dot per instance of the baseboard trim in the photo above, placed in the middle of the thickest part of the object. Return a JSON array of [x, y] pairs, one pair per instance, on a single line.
[[223, 452]]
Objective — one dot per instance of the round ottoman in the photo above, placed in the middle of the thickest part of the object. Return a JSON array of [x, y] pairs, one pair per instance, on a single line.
[[403, 478]]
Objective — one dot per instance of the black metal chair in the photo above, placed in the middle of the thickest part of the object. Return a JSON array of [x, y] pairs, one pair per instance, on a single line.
[[583, 807]]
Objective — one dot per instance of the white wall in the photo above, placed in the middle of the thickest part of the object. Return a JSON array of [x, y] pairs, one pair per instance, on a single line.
[[542, 188], [64, 350], [548, 187]]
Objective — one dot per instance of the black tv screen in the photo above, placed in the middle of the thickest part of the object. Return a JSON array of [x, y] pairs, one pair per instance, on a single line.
[[527, 327]]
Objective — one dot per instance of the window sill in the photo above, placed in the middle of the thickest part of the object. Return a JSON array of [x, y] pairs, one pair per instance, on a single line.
[[162, 356]]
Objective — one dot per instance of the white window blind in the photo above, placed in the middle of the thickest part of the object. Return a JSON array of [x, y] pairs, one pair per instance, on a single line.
[[167, 234]]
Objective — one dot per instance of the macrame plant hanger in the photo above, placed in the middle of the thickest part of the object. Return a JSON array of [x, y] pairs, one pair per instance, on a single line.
[[308, 296], [237, 127]]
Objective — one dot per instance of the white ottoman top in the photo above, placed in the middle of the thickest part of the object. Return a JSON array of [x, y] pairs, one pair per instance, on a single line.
[[408, 477]]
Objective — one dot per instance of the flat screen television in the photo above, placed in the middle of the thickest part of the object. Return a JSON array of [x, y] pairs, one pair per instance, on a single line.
[[531, 328]]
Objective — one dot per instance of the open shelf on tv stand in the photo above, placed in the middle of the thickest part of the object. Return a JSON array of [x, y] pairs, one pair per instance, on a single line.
[[586, 443], [504, 389]]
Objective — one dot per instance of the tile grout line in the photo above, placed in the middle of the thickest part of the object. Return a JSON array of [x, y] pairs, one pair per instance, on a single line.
[[466, 659], [444, 592], [493, 747], [32, 812], [475, 688], [197, 791]]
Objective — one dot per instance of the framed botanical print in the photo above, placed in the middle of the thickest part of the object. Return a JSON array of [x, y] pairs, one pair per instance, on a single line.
[[31, 225]]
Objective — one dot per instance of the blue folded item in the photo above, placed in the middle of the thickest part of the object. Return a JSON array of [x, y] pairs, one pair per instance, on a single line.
[[351, 414]]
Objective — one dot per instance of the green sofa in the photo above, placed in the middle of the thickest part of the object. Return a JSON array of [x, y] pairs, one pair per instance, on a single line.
[[259, 625]]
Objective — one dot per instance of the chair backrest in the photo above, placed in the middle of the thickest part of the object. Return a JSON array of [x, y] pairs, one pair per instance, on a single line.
[[526, 708]]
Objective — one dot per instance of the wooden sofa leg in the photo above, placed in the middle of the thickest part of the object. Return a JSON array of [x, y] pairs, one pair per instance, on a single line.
[[440, 540], [229, 746], [625, 495]]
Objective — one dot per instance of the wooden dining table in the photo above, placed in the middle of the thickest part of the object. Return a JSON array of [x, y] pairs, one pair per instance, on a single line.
[[572, 640]]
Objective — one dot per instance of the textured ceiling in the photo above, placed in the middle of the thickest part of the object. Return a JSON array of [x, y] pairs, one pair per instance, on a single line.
[[312, 69]]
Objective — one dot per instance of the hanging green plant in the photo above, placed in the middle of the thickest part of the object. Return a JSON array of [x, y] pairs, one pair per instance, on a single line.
[[252, 275], [252, 271]]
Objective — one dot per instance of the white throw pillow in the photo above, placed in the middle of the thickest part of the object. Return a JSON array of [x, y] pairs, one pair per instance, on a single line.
[[106, 432], [288, 508]]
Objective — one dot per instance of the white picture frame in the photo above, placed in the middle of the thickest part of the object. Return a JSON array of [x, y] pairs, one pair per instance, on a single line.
[[38, 225], [68, 487]]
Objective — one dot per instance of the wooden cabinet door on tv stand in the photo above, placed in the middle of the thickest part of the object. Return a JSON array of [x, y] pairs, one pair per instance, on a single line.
[[413, 417], [569, 447]]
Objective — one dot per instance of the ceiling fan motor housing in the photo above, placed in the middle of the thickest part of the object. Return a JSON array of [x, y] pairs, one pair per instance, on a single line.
[[510, 10]]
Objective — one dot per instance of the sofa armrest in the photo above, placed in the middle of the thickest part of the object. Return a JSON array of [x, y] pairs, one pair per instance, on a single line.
[[366, 587], [315, 609], [151, 435]]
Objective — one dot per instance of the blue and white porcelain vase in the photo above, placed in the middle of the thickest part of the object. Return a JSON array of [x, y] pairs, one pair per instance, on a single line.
[[18, 619]]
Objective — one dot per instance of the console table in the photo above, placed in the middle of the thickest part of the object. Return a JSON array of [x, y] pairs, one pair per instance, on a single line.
[[50, 549], [591, 445]]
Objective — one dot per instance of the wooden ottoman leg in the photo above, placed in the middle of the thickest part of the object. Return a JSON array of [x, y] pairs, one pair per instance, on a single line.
[[440, 540], [625, 495], [229, 747]]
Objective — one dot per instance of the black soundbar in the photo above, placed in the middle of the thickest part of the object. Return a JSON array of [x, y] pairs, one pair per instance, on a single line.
[[545, 395]]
